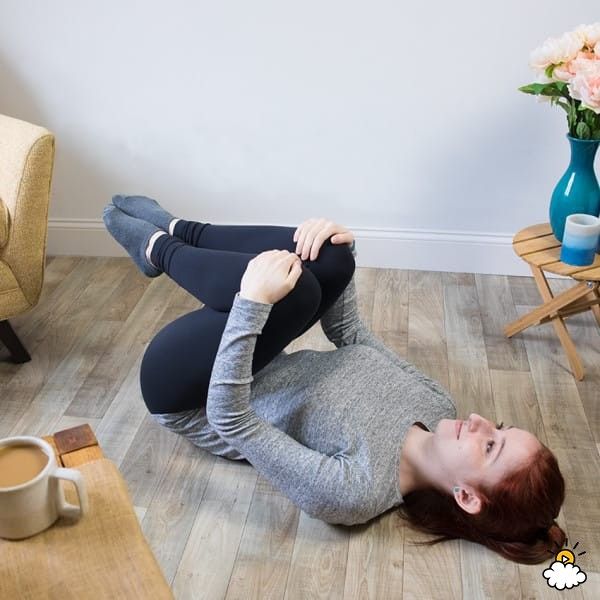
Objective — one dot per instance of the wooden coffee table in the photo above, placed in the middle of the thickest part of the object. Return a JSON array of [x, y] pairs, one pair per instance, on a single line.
[[537, 246], [102, 555], [108, 558]]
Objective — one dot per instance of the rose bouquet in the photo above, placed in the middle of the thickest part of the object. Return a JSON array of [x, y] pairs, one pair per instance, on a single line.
[[569, 75]]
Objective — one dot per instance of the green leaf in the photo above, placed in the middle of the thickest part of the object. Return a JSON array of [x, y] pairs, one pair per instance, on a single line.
[[556, 88], [529, 89], [589, 117], [572, 117], [583, 131]]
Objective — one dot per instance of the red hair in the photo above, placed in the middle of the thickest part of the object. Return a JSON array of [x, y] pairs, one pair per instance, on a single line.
[[517, 516]]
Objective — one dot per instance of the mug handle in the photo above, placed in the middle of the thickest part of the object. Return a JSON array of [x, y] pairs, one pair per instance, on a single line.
[[65, 509]]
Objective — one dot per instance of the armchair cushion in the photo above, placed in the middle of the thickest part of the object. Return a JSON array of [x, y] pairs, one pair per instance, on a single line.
[[4, 223]]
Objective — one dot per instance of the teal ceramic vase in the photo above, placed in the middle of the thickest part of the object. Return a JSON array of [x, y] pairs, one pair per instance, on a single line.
[[578, 190]]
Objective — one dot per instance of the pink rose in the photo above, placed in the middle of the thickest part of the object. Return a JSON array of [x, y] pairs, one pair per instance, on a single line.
[[585, 85], [586, 62], [589, 34], [563, 72], [582, 62], [556, 50]]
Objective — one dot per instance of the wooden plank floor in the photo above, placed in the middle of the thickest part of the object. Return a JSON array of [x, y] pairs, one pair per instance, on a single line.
[[220, 530]]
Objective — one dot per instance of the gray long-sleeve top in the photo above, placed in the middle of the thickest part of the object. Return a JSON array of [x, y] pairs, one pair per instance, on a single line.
[[325, 428]]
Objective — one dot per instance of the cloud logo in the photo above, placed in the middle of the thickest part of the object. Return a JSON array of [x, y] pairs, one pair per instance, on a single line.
[[563, 572]]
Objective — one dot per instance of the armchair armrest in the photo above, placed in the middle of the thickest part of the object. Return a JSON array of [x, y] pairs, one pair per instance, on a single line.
[[4, 223], [27, 159]]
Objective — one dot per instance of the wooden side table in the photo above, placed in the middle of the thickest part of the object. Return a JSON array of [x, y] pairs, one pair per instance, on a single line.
[[538, 246]]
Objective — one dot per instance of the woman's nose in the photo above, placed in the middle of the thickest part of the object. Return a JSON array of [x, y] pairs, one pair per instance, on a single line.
[[475, 422]]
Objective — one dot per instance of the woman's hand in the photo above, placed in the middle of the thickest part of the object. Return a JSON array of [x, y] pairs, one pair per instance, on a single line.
[[270, 276], [311, 235]]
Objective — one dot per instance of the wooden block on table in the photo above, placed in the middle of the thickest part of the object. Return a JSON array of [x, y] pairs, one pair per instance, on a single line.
[[79, 457], [75, 438], [75, 446]]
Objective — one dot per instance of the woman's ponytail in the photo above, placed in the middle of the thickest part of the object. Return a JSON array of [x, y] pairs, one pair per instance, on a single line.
[[544, 547]]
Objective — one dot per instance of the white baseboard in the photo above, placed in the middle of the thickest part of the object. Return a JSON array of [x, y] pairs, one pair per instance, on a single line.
[[81, 237], [453, 251]]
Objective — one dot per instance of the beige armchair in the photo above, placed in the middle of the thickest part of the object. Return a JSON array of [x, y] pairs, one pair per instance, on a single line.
[[26, 164]]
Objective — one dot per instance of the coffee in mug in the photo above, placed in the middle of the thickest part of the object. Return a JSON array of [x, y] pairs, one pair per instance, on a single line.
[[31, 497], [20, 463]]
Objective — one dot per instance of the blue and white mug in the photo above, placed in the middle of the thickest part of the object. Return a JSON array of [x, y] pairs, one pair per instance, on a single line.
[[580, 240]]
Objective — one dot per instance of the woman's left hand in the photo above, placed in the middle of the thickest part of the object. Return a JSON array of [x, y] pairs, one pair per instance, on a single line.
[[311, 235]]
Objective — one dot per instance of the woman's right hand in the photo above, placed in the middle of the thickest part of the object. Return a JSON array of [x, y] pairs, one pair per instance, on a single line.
[[311, 235], [270, 276]]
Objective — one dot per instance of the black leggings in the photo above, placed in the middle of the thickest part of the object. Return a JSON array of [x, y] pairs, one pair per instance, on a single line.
[[209, 261]]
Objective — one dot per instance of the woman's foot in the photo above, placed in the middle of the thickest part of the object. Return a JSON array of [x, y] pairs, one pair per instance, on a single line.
[[147, 209], [134, 235]]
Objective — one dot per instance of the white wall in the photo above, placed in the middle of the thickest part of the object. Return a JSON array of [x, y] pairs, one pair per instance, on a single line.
[[402, 122]]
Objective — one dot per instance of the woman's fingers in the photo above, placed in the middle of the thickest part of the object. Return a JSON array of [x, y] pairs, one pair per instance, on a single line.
[[287, 259], [295, 272], [312, 252], [302, 233], [312, 234], [346, 237], [327, 230], [309, 240]]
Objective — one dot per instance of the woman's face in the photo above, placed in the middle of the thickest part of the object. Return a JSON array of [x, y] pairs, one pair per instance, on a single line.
[[475, 452]]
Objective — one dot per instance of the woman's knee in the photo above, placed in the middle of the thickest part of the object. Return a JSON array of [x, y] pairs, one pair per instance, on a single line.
[[297, 307], [343, 258], [288, 319], [334, 266], [306, 295]]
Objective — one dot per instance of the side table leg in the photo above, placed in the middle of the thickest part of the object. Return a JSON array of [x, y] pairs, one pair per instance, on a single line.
[[596, 309], [559, 324], [549, 310]]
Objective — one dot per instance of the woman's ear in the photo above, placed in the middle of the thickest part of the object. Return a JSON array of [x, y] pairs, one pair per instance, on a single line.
[[467, 499]]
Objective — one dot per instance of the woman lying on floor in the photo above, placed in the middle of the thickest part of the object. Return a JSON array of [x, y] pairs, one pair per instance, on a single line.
[[345, 434]]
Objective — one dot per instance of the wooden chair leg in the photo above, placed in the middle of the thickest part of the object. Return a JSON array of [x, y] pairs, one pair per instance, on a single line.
[[550, 308], [551, 311], [559, 324], [9, 338], [596, 309]]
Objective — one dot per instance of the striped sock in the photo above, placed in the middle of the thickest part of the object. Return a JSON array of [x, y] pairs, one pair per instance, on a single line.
[[172, 226], [150, 245]]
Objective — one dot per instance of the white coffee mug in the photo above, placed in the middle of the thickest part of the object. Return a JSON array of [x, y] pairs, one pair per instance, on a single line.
[[32, 506]]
